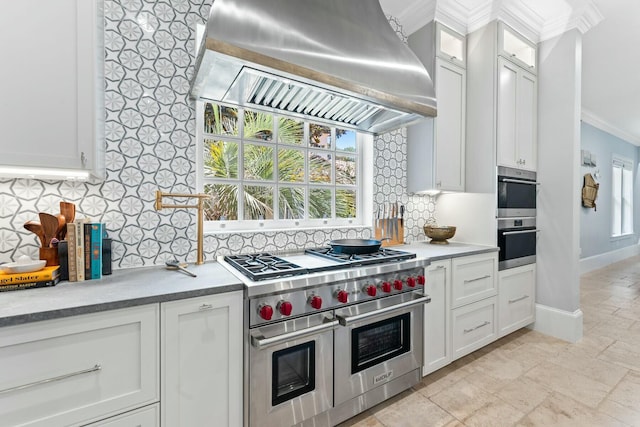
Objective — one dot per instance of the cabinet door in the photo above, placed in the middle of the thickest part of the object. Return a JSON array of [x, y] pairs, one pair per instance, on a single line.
[[437, 345], [516, 301], [450, 126], [473, 278], [507, 116], [202, 361], [74, 370], [51, 105], [527, 112]]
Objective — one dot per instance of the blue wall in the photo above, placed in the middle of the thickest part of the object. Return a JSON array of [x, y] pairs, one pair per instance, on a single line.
[[595, 226]]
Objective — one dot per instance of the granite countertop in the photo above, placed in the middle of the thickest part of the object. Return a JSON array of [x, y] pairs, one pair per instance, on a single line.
[[426, 250], [138, 286], [123, 288]]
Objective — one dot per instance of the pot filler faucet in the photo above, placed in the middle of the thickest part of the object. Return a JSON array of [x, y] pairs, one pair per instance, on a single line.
[[200, 206]]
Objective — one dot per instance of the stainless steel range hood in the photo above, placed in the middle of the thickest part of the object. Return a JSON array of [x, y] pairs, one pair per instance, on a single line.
[[336, 61]]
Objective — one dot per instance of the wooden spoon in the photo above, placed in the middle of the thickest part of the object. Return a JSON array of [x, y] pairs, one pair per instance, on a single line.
[[49, 227], [62, 227], [68, 210], [35, 228]]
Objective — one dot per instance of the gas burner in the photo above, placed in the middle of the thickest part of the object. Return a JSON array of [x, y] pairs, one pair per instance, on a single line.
[[381, 256], [264, 266]]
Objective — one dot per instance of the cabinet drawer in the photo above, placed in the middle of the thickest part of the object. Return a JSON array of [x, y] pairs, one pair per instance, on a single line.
[[516, 305], [473, 279], [473, 326], [149, 416], [76, 370]]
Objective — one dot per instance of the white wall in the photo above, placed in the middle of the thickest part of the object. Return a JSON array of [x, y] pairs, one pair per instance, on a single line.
[[559, 100]]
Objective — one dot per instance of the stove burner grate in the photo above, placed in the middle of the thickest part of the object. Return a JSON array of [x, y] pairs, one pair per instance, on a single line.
[[264, 266], [381, 256]]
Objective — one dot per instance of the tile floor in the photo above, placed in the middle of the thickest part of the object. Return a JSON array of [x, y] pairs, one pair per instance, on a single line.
[[530, 379]]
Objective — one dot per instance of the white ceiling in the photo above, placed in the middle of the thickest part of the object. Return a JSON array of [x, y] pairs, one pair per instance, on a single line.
[[610, 53]]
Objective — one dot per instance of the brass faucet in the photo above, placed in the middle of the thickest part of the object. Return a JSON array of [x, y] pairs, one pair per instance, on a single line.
[[200, 206]]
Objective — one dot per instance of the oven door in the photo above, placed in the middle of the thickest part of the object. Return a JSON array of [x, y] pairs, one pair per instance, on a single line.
[[291, 371], [379, 341], [517, 240], [516, 193]]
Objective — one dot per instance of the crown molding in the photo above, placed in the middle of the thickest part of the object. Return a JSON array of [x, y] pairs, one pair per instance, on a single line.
[[583, 19], [417, 15], [597, 122]]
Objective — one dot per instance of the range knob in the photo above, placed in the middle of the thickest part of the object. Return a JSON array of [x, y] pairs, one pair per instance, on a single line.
[[285, 308], [386, 287], [316, 302], [397, 284], [370, 290], [411, 282], [421, 280], [265, 311], [343, 296]]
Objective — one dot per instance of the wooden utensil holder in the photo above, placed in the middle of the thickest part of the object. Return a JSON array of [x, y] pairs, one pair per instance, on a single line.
[[384, 228], [50, 255]]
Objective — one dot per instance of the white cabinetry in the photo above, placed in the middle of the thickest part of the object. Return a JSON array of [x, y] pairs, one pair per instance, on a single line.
[[436, 147], [501, 105], [474, 321], [202, 361], [516, 116], [516, 298], [52, 106], [76, 370], [437, 340]]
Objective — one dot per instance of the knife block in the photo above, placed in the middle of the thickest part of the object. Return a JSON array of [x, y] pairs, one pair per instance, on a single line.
[[395, 238]]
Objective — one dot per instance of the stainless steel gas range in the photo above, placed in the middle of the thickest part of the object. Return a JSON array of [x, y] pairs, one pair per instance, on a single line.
[[328, 335]]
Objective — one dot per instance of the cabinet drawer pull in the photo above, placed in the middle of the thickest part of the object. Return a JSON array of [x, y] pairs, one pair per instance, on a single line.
[[477, 278], [511, 301], [205, 307], [50, 380], [486, 322], [439, 267]]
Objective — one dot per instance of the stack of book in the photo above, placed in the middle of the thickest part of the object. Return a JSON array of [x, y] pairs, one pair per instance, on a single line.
[[84, 245], [48, 276]]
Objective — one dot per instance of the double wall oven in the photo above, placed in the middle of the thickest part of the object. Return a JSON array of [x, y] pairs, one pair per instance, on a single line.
[[331, 340], [517, 230]]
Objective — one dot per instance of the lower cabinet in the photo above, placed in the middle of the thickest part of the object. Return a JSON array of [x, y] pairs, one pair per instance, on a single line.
[[516, 298], [149, 416], [473, 326], [202, 361], [76, 370], [437, 340]]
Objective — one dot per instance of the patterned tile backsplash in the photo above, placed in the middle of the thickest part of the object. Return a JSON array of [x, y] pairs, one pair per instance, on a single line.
[[150, 144]]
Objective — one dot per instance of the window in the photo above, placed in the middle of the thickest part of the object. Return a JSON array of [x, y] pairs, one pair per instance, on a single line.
[[622, 205], [272, 171]]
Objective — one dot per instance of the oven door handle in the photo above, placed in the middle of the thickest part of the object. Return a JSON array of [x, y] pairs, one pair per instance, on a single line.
[[348, 320], [509, 233], [261, 342], [519, 181]]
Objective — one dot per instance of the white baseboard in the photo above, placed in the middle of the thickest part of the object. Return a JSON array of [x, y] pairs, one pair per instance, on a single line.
[[602, 260], [561, 324]]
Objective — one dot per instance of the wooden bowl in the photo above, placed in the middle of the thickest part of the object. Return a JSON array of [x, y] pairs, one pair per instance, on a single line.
[[439, 234]]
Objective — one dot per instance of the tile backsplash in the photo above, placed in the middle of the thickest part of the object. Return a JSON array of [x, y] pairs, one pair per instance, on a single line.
[[150, 144]]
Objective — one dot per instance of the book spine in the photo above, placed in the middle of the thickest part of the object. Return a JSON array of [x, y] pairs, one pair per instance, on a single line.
[[106, 256], [30, 285], [48, 273], [63, 257], [80, 250], [96, 250], [87, 252], [72, 245]]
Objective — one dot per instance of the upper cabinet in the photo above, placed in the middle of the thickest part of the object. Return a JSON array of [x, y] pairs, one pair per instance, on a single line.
[[52, 109], [502, 96], [517, 48], [516, 121], [436, 147]]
